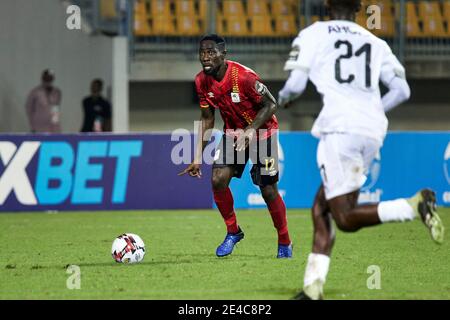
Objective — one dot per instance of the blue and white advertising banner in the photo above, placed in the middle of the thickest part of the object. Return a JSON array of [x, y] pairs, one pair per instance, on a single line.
[[140, 171], [407, 163], [96, 172]]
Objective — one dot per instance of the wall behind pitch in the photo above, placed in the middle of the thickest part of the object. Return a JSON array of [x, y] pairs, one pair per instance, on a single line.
[[34, 37]]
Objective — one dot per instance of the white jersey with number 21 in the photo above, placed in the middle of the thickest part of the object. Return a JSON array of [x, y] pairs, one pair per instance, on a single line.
[[346, 62]]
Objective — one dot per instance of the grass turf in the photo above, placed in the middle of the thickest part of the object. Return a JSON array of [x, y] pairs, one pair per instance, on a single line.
[[180, 262]]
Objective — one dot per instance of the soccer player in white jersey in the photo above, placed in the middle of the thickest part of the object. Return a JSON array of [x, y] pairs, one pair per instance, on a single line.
[[346, 63]]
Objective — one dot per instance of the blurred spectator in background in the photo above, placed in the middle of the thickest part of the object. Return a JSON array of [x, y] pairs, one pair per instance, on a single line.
[[97, 110], [43, 105]]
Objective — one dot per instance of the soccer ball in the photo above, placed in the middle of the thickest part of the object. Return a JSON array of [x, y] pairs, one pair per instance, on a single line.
[[128, 248]]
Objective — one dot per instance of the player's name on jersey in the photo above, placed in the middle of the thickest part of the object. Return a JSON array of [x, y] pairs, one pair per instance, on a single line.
[[342, 29]]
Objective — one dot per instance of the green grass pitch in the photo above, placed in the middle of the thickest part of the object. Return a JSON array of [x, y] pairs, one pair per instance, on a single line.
[[180, 261]]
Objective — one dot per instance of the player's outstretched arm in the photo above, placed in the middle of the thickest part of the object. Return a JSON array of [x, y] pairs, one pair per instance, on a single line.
[[268, 109], [204, 134], [293, 88]]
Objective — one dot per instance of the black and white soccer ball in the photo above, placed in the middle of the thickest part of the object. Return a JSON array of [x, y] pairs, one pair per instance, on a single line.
[[128, 248]]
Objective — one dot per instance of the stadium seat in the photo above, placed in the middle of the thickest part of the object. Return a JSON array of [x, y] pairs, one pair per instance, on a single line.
[[411, 12], [286, 26], [108, 9], [412, 26], [433, 26], [282, 7], [235, 26], [446, 7], [202, 14], [295, 4], [163, 25], [261, 26], [431, 16], [140, 8], [429, 8], [141, 26], [141, 23], [232, 8], [446, 15], [257, 8], [187, 25], [185, 8], [160, 8], [202, 8]]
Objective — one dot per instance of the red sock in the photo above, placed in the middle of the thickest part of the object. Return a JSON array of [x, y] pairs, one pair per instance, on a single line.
[[225, 203], [277, 210]]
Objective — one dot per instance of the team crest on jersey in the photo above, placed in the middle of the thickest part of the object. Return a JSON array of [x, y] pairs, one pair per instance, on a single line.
[[235, 97], [260, 88], [211, 94], [295, 52]]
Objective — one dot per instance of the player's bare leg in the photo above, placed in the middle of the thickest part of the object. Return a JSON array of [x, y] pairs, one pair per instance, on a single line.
[[277, 210], [350, 217], [324, 233], [223, 198], [323, 241]]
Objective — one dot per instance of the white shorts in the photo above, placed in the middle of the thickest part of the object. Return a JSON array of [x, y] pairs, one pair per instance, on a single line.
[[344, 160]]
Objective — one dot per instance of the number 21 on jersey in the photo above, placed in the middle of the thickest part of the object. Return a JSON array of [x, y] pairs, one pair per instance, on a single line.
[[365, 49]]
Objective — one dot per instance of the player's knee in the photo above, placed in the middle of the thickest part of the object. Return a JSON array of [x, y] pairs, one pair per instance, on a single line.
[[269, 193], [344, 223], [219, 181]]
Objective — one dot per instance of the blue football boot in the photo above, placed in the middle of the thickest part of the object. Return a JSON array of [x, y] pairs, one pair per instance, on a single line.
[[228, 244], [284, 251]]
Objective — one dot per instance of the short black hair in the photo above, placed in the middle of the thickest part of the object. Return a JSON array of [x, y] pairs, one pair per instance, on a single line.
[[345, 5], [48, 75], [220, 41], [98, 81]]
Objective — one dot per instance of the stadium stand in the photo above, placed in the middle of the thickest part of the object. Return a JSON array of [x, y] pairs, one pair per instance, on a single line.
[[159, 8], [141, 23], [286, 26], [258, 8], [431, 17], [185, 8], [261, 26], [272, 18], [235, 26], [237, 18], [282, 8], [188, 25], [233, 8]]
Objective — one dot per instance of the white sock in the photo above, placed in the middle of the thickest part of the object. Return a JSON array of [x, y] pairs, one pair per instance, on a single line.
[[395, 210], [316, 268]]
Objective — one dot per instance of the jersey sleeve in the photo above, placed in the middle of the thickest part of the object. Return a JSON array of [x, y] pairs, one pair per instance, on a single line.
[[254, 89], [201, 95], [303, 51], [391, 67]]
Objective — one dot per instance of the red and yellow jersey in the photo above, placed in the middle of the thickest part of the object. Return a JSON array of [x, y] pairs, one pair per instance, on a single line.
[[235, 96]]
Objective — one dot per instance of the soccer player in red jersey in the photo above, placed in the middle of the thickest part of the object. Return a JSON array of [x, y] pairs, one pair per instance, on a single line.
[[250, 130]]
